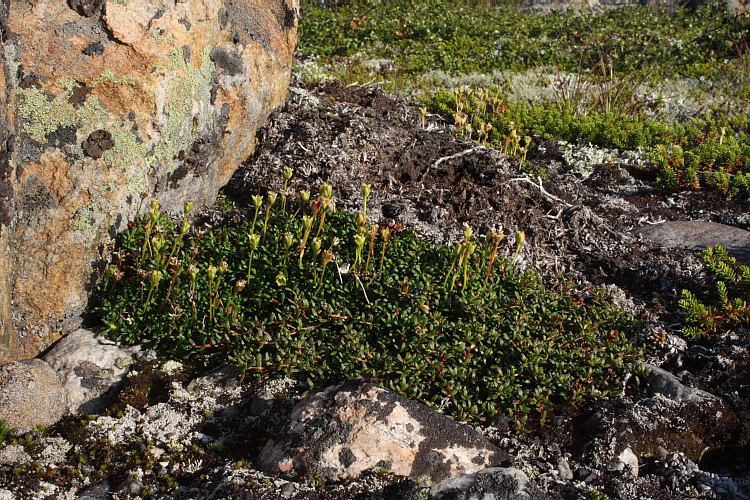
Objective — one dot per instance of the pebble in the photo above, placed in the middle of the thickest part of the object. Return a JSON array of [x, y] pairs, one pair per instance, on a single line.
[[288, 490], [563, 469]]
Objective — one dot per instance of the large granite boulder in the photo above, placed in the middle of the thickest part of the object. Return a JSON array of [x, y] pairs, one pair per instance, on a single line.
[[30, 395], [107, 105], [358, 425]]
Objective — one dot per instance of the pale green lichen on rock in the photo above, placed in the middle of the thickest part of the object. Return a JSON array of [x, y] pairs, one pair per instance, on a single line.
[[190, 85], [67, 83], [188, 110], [43, 116], [109, 76], [90, 219]]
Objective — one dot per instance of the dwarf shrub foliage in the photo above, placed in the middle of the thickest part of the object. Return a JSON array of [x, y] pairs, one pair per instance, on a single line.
[[319, 294], [729, 307], [704, 153]]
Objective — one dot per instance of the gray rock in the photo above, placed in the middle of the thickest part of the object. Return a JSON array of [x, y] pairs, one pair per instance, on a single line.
[[563, 469], [699, 235], [288, 490], [97, 491], [13, 454], [30, 395], [664, 383], [357, 425], [131, 486], [90, 368], [489, 484], [227, 376], [626, 462]]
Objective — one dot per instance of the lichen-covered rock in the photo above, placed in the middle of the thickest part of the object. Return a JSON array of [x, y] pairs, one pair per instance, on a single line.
[[90, 368], [30, 395], [495, 483], [662, 382], [108, 105], [356, 425]]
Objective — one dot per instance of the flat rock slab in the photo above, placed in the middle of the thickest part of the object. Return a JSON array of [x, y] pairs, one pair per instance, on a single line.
[[357, 425], [662, 382], [699, 235]]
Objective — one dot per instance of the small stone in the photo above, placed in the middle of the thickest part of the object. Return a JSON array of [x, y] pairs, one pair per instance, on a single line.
[[131, 486], [288, 490], [86, 8], [629, 461], [559, 420], [563, 469], [97, 491], [285, 466], [668, 385], [90, 368], [492, 483], [356, 425], [698, 235]]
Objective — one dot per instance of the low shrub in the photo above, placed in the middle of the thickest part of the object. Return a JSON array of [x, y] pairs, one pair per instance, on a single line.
[[310, 292], [704, 153], [730, 307], [426, 35]]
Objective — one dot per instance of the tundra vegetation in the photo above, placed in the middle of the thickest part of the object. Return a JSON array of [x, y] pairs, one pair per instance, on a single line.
[[303, 290]]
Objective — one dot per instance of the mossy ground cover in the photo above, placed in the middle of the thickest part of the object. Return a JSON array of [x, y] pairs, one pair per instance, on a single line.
[[302, 291]]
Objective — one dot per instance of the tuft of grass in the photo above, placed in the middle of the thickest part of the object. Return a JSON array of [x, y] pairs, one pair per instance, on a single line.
[[325, 296], [6, 433]]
